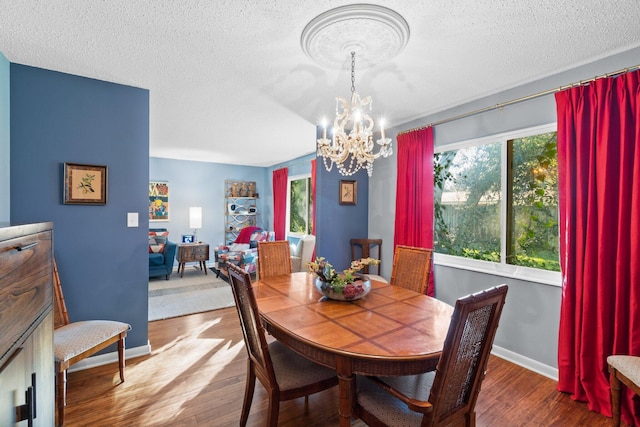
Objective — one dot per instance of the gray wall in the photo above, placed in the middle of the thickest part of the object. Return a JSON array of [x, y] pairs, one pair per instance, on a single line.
[[528, 331]]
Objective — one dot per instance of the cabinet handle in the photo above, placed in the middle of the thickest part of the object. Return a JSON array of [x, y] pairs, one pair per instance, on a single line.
[[28, 410], [27, 246]]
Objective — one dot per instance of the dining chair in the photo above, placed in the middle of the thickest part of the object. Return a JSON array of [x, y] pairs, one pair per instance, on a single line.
[[75, 341], [284, 374], [411, 268], [448, 395], [367, 248], [622, 370], [274, 258]]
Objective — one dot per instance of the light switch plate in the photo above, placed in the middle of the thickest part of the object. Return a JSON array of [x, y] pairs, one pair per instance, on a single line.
[[132, 219]]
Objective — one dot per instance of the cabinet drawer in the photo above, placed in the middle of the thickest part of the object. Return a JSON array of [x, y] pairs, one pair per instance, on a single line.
[[25, 287]]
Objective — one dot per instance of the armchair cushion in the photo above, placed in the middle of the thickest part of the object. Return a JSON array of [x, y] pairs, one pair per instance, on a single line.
[[163, 253], [304, 252]]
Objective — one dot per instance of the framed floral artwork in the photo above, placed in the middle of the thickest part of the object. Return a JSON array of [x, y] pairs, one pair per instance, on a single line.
[[158, 201], [348, 192], [85, 184]]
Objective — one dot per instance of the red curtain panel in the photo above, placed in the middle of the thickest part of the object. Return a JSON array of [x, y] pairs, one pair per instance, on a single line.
[[414, 192], [280, 181], [599, 198]]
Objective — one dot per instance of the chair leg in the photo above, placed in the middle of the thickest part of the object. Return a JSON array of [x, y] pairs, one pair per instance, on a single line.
[[61, 396], [121, 358], [274, 410], [615, 396], [248, 395]]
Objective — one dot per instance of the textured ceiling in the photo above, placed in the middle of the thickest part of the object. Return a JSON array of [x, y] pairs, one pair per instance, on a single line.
[[230, 83]]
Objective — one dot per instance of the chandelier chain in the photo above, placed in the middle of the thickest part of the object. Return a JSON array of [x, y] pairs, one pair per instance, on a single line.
[[353, 72]]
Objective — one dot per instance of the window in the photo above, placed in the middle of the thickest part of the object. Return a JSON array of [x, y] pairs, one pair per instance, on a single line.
[[496, 200], [299, 204]]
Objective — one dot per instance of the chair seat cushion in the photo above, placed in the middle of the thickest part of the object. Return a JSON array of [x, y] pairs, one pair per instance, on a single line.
[[292, 370], [77, 337], [388, 409], [629, 366], [156, 259]]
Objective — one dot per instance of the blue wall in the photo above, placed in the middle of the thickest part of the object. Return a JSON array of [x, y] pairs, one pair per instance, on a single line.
[[202, 184], [4, 138], [58, 118]]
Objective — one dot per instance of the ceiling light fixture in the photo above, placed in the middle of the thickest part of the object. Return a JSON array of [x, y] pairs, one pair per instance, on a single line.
[[376, 34], [351, 147]]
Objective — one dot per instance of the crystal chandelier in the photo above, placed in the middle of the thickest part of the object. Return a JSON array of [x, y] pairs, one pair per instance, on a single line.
[[351, 148]]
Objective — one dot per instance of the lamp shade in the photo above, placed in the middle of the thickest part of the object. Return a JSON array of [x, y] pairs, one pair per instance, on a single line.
[[195, 217]]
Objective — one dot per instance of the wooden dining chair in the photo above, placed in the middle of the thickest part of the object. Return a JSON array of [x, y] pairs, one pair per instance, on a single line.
[[622, 370], [74, 341], [411, 268], [274, 258], [448, 395], [284, 374], [368, 248]]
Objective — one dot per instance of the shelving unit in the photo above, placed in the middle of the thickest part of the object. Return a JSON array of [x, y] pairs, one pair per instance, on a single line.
[[240, 208]]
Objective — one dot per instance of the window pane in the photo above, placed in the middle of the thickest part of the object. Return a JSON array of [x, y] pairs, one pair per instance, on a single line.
[[467, 202], [534, 216], [298, 213]]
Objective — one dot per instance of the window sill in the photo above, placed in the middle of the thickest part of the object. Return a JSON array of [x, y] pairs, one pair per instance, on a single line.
[[552, 278]]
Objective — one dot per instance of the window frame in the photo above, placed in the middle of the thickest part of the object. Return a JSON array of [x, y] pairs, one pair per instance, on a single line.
[[503, 269], [288, 231]]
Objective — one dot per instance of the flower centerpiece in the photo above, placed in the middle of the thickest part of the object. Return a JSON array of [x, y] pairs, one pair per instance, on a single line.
[[345, 286]]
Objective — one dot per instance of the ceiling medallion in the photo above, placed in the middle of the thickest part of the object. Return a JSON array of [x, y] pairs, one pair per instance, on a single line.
[[376, 33]]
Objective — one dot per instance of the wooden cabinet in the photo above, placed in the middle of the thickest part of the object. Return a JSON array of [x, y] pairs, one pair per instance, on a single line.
[[26, 321], [240, 208]]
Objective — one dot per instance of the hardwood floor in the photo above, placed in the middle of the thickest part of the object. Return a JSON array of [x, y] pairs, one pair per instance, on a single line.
[[196, 377]]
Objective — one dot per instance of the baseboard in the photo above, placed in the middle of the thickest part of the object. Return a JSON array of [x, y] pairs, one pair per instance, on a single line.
[[525, 362], [103, 359]]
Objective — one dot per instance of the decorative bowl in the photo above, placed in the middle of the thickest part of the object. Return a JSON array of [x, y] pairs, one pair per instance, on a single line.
[[350, 292]]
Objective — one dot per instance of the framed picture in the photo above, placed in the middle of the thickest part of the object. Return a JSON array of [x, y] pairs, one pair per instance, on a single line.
[[348, 192], [158, 201], [187, 238], [85, 184]]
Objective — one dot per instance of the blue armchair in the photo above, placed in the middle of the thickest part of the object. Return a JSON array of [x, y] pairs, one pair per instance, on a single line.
[[162, 253]]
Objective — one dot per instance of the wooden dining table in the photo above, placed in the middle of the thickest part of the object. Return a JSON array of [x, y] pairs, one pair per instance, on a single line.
[[391, 331]]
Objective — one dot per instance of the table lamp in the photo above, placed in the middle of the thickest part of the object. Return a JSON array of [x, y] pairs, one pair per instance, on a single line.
[[195, 221]]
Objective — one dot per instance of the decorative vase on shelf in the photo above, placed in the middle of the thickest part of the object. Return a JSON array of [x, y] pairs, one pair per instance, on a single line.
[[348, 292]]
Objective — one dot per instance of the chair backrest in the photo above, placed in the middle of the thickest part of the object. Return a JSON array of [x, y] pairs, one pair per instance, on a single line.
[[252, 329], [463, 363], [60, 314], [411, 268], [274, 258], [308, 242], [366, 246]]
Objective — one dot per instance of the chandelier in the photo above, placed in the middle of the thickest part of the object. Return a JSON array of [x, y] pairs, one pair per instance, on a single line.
[[351, 147]]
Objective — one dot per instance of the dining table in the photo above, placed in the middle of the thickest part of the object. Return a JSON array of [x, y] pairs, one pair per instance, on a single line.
[[391, 331]]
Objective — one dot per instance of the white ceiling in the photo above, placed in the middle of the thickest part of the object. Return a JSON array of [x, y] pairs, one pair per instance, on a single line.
[[229, 81]]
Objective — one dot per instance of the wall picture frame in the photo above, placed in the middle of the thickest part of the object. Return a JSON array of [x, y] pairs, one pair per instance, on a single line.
[[85, 184], [348, 192], [158, 201]]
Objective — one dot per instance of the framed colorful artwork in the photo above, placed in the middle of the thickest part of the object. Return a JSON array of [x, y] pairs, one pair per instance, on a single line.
[[158, 201], [85, 184], [348, 192]]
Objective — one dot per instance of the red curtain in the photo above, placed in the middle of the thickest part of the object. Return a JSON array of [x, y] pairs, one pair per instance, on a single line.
[[280, 182], [414, 192], [599, 197]]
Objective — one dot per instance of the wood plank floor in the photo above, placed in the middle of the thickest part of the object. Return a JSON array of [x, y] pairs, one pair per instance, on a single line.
[[196, 374]]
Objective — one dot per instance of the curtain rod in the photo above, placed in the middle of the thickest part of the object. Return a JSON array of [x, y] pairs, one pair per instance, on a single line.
[[521, 99]]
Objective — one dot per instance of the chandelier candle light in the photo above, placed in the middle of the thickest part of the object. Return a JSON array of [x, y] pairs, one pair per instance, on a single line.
[[351, 147]]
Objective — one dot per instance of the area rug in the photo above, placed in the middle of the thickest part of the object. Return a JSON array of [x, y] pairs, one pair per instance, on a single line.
[[193, 293]]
